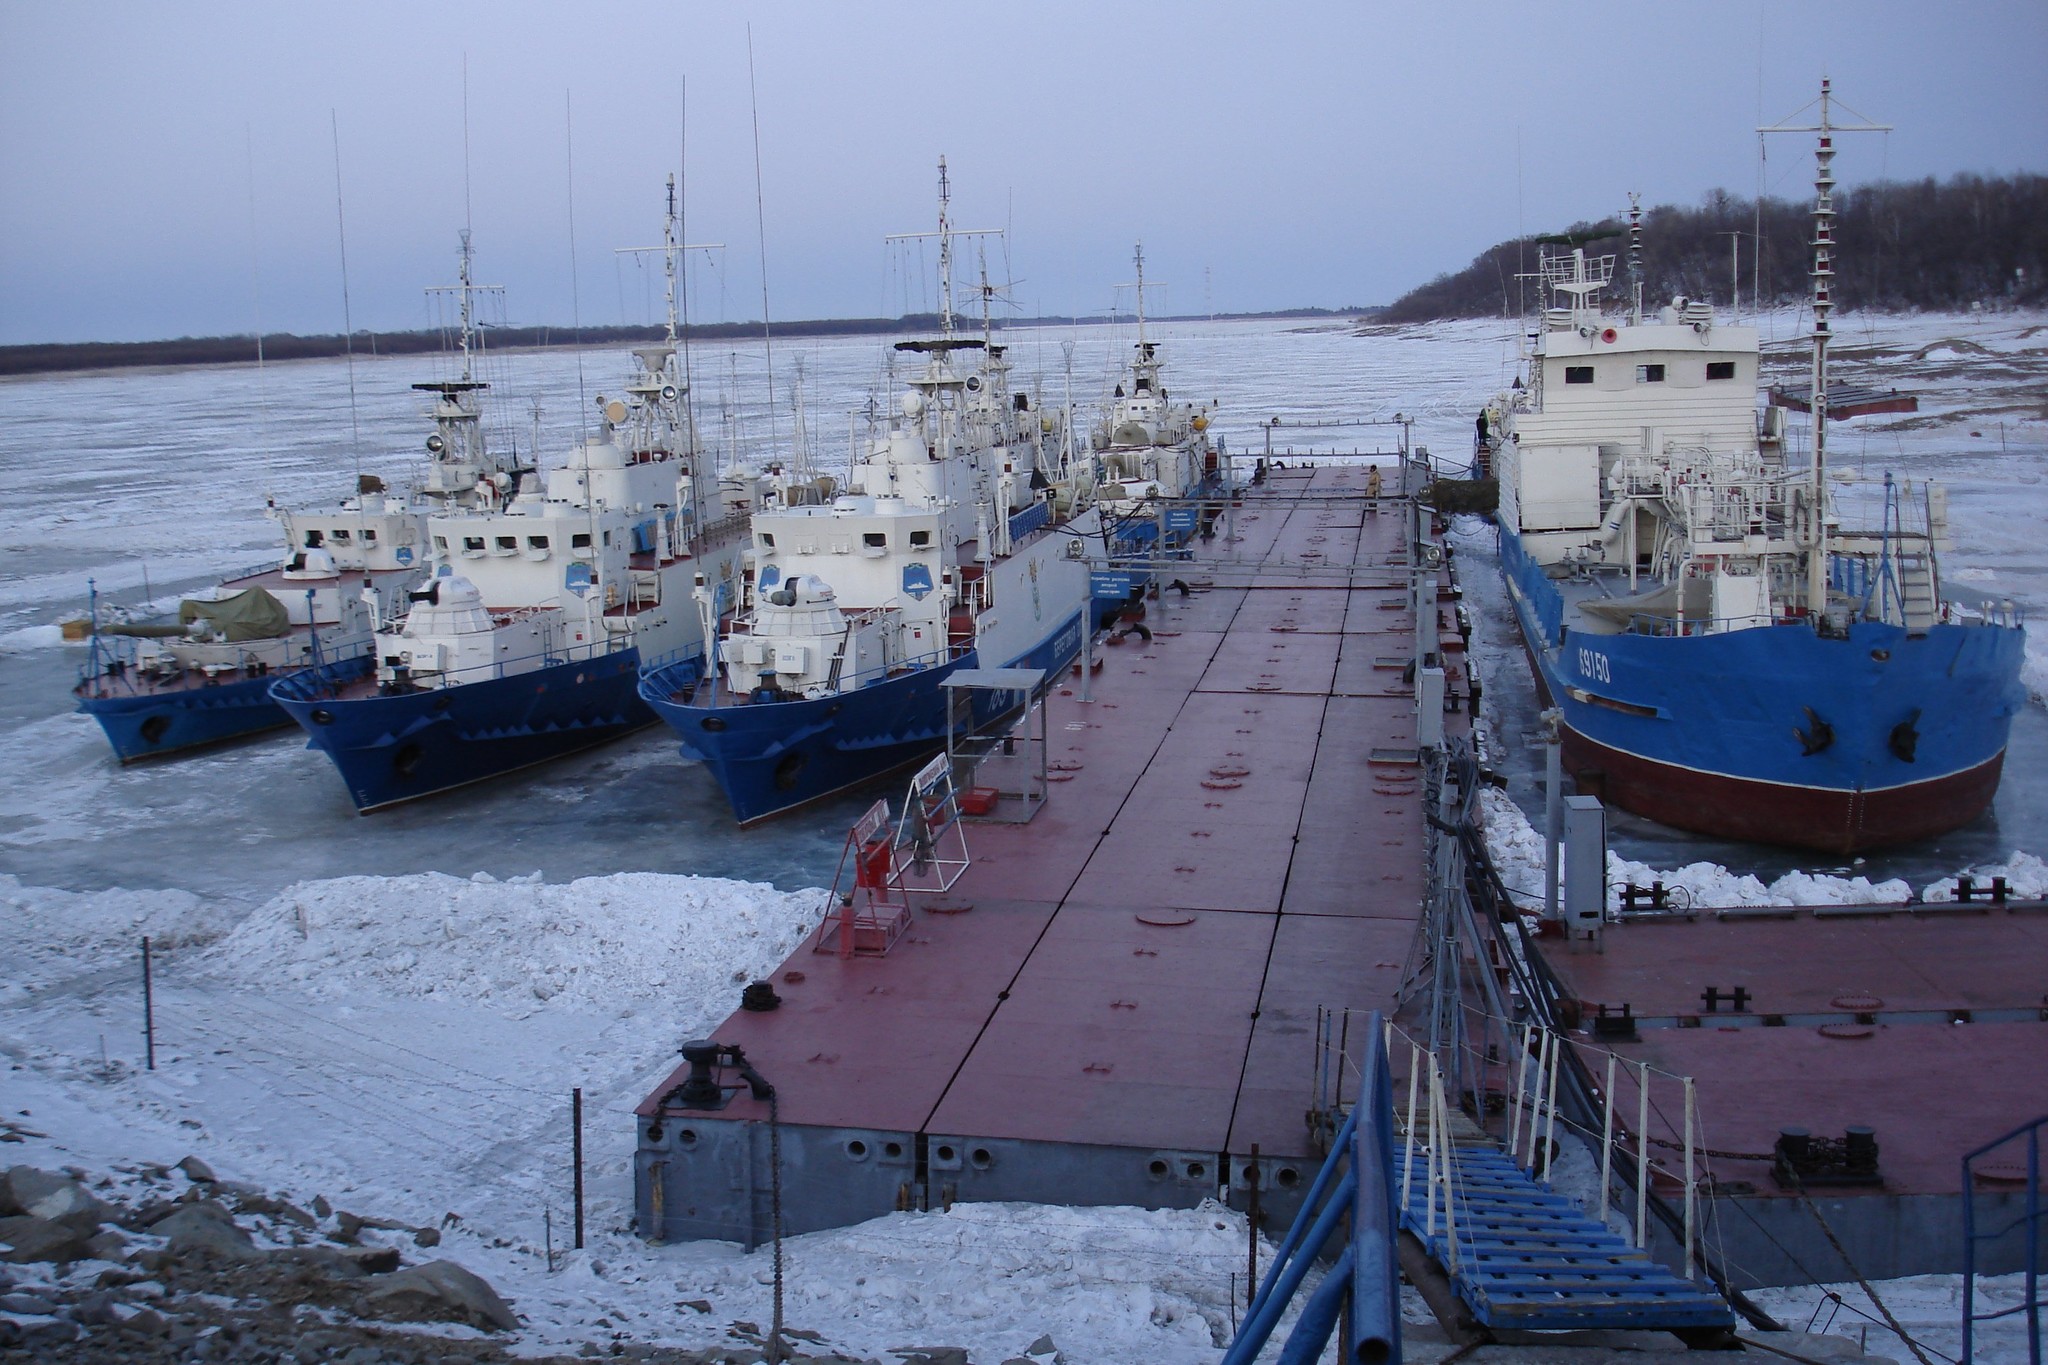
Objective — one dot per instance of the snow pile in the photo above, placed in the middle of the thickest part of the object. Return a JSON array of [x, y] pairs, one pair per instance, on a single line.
[[2025, 875], [1107, 1284], [30, 637], [46, 933], [512, 944], [2034, 672], [1517, 850]]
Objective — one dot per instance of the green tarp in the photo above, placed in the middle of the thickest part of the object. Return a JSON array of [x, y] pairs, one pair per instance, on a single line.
[[249, 615]]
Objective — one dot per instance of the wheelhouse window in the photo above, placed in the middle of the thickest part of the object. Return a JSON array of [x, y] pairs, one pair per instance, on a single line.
[[1578, 374], [920, 539], [473, 543], [875, 540], [1649, 374], [580, 540], [508, 542], [441, 544], [536, 542], [340, 536], [767, 540], [1720, 369], [369, 536]]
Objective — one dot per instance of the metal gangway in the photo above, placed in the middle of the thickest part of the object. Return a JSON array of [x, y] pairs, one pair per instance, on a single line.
[[1517, 1252]]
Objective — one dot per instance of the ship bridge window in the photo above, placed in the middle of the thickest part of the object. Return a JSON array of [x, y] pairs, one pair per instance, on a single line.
[[1720, 369], [369, 536], [313, 539], [875, 540], [441, 545], [580, 540], [767, 541], [475, 543], [508, 542], [1578, 374], [536, 542], [1649, 374], [920, 539], [607, 537], [340, 536]]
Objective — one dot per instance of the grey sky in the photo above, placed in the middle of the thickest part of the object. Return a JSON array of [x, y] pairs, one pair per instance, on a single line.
[[1269, 155]]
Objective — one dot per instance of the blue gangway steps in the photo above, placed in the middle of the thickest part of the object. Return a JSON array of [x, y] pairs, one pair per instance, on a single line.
[[1530, 1259]]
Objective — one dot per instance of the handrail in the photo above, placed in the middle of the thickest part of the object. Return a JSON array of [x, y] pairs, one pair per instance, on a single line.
[[317, 675], [2031, 1220], [1357, 1179]]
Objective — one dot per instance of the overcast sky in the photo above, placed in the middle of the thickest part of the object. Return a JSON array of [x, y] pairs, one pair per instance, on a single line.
[[169, 169]]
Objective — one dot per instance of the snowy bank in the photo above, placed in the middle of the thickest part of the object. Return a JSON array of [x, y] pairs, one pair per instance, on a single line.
[[584, 945]]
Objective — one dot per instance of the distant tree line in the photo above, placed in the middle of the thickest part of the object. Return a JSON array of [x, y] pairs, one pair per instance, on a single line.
[[49, 357], [1918, 245], [92, 355]]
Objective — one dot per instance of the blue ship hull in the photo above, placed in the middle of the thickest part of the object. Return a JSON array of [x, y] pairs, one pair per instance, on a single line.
[[399, 747], [773, 756], [1779, 734], [158, 724]]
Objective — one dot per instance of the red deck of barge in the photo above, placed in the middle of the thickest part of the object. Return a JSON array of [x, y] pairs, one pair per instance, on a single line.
[[1116, 1002], [1927, 1024]]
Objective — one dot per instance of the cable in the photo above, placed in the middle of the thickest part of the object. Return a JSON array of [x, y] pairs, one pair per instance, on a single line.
[[1861, 1283]]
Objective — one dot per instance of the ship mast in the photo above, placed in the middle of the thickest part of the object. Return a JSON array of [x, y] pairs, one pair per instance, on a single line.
[[945, 255], [1823, 275], [1635, 256], [1138, 257], [670, 249], [468, 317], [946, 235]]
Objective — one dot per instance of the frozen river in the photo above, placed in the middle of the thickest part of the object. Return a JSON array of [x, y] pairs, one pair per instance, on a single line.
[[154, 482]]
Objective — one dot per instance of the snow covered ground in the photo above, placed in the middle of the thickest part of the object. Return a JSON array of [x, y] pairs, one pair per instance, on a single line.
[[392, 1012]]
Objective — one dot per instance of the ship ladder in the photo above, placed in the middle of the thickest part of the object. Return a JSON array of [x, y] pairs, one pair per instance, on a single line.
[[1517, 1253]]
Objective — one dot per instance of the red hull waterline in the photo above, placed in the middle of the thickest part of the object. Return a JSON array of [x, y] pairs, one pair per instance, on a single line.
[[1829, 819]]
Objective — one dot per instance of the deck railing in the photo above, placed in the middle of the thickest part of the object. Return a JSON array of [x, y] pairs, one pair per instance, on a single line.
[[2032, 1220], [1356, 1184]]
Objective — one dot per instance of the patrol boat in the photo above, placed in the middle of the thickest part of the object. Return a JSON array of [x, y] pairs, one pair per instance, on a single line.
[[1730, 648], [1157, 460], [545, 600], [170, 689], [952, 546]]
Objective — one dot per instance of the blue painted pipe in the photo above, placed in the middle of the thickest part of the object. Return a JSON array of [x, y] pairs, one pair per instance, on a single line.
[[1288, 1274], [1375, 1320], [1312, 1329]]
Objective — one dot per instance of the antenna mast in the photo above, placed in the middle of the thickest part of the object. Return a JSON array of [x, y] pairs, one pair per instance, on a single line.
[[1138, 256], [1823, 274], [945, 255], [1635, 255], [946, 233]]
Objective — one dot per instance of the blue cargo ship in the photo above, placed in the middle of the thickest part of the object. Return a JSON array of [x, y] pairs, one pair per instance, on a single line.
[[1738, 640]]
